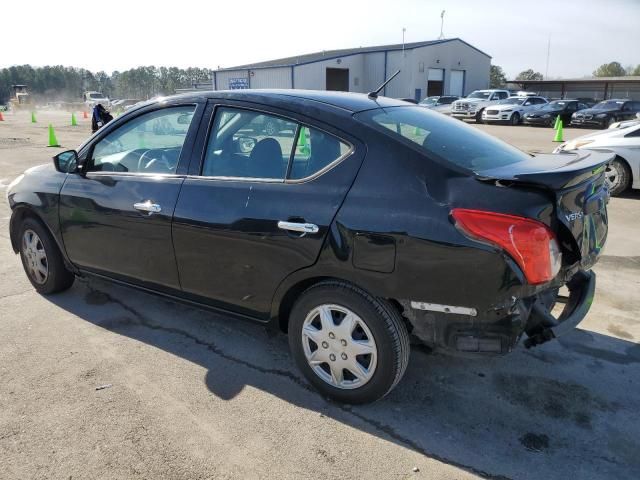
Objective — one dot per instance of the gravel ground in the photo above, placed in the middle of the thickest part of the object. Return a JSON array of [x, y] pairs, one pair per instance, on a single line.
[[189, 394]]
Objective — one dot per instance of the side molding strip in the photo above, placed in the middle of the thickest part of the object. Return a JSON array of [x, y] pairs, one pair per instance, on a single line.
[[436, 307]]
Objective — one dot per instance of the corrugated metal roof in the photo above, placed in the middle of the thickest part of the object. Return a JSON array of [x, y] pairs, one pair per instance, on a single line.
[[627, 78], [329, 54]]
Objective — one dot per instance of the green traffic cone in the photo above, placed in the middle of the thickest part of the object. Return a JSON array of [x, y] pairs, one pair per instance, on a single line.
[[53, 141], [302, 142], [555, 125], [558, 137], [33, 117], [74, 122]]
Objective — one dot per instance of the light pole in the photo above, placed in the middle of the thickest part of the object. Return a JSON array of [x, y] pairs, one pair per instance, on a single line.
[[403, 30], [441, 37]]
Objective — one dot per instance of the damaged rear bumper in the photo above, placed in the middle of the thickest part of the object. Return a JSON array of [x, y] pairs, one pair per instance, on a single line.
[[542, 326], [498, 330]]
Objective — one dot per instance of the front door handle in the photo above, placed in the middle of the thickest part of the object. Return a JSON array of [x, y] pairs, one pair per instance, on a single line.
[[148, 207], [303, 228]]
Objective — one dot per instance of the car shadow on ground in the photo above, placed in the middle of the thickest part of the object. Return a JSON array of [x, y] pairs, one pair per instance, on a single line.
[[567, 408]]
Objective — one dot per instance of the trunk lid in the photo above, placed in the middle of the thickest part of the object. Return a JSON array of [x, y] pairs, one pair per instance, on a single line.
[[577, 182]]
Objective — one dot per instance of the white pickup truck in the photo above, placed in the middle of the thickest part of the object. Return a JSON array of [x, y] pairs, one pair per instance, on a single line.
[[91, 99], [472, 105]]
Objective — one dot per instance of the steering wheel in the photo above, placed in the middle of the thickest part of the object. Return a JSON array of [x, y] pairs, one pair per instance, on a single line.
[[141, 160], [161, 163]]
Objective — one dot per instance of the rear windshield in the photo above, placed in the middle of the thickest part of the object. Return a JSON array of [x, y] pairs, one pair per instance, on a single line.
[[443, 138]]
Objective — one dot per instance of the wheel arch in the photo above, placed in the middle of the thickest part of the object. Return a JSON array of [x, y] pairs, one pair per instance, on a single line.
[[287, 295], [20, 213]]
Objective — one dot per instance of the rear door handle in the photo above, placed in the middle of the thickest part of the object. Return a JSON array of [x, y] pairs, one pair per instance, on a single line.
[[147, 206], [303, 228]]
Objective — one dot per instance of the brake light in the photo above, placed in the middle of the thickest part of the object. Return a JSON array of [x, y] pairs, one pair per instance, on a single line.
[[530, 243]]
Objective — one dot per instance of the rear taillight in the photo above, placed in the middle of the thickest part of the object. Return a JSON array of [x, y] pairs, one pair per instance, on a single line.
[[530, 243]]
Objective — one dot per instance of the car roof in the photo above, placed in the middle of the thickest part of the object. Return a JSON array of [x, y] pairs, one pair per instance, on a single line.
[[350, 101]]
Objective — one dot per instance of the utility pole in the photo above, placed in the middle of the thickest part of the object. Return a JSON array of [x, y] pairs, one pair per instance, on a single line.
[[441, 37], [403, 31], [546, 72]]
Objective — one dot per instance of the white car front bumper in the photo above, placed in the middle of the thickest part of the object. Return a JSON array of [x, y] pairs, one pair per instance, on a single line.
[[499, 116]]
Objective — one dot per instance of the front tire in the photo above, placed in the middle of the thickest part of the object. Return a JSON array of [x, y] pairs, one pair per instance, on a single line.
[[479, 116], [617, 177], [515, 119], [42, 260], [351, 346]]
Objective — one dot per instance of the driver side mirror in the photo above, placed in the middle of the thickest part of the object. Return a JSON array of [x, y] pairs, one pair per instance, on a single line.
[[66, 162]]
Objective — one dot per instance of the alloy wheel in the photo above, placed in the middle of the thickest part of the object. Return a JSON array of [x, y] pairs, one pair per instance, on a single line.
[[35, 257], [339, 346], [612, 176]]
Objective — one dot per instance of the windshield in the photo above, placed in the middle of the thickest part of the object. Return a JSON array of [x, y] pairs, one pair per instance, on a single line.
[[555, 105], [96, 95], [443, 138], [479, 94], [513, 101], [429, 101], [608, 105]]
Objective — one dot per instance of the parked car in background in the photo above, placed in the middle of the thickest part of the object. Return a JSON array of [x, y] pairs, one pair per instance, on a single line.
[[462, 241], [626, 123], [440, 104], [471, 106], [512, 109], [91, 99], [119, 106], [624, 171], [546, 115], [606, 113]]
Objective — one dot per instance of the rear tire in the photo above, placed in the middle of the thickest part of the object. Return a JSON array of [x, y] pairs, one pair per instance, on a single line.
[[617, 177], [359, 363], [42, 260]]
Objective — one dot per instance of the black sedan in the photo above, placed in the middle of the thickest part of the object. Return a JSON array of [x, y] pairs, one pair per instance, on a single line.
[[606, 113], [360, 223], [546, 115]]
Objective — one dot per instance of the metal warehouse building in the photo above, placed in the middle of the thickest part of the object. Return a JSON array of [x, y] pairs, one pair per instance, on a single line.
[[437, 67]]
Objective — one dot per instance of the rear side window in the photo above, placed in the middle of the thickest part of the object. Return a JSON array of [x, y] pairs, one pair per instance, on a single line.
[[443, 138], [250, 144], [314, 151]]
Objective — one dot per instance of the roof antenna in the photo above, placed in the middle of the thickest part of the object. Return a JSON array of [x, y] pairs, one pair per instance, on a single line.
[[375, 93]]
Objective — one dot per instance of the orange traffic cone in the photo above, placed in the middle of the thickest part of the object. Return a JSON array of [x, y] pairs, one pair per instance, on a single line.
[[1, 117], [84, 114]]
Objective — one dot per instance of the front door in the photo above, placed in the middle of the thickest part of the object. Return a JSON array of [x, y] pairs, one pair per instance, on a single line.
[[259, 208], [116, 215]]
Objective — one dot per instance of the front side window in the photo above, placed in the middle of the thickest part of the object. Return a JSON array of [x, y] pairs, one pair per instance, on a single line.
[[444, 138], [249, 144], [150, 143]]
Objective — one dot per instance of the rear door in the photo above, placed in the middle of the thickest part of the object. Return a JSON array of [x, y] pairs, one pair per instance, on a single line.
[[259, 204], [116, 216]]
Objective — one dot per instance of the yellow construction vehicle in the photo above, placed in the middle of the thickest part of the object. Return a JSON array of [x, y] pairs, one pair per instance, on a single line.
[[21, 100]]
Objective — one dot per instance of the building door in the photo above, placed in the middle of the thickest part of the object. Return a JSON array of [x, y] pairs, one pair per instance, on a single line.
[[338, 79], [456, 82], [435, 82]]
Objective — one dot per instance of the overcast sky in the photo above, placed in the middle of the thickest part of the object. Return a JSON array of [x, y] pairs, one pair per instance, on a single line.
[[120, 34]]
